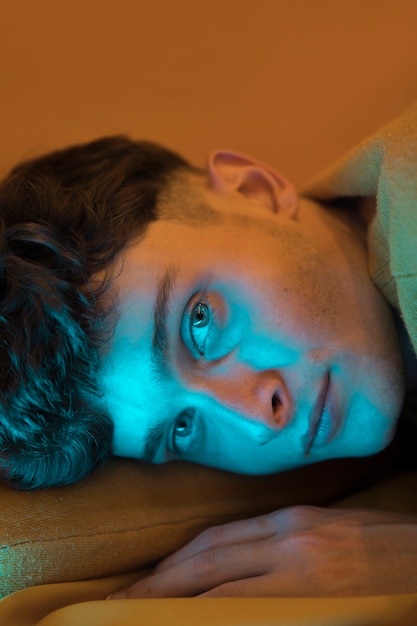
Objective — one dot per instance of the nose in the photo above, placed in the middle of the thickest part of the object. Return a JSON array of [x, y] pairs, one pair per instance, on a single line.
[[260, 396]]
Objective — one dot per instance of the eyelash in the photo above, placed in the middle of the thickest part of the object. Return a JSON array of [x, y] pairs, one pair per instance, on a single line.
[[211, 325]]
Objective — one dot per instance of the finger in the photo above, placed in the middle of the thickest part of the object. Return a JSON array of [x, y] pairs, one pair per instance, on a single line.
[[205, 571], [242, 531], [257, 586], [276, 584]]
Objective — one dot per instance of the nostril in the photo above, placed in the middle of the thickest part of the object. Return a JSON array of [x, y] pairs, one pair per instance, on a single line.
[[276, 403], [280, 413]]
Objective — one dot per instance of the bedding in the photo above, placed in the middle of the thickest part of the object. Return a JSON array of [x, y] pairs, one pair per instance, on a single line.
[[384, 167], [129, 515], [83, 602]]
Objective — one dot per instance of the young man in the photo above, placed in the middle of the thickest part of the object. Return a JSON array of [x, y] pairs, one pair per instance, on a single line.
[[302, 336], [241, 330], [252, 339]]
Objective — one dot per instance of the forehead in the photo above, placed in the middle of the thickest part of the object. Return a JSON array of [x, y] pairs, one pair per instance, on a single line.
[[127, 376]]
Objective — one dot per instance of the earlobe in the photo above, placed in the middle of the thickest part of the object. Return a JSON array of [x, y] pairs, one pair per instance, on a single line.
[[231, 171]]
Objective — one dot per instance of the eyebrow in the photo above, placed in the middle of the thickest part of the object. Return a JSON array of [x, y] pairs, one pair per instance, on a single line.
[[164, 294], [159, 352], [153, 441]]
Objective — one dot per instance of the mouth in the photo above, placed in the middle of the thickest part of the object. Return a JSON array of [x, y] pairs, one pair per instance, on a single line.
[[321, 420]]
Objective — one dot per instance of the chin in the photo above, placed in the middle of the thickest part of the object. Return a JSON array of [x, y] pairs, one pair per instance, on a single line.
[[358, 442], [377, 440]]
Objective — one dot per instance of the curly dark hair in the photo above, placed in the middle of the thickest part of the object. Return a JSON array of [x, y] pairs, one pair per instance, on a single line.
[[63, 219]]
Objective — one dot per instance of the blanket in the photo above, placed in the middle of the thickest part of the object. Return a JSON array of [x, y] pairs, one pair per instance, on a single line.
[[385, 166]]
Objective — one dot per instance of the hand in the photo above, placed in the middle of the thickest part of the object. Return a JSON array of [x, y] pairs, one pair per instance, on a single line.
[[298, 551]]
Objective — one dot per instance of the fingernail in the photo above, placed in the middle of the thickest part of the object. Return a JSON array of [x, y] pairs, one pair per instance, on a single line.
[[119, 595]]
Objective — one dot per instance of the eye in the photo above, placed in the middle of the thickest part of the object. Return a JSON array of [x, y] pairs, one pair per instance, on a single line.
[[184, 432], [201, 315], [200, 321]]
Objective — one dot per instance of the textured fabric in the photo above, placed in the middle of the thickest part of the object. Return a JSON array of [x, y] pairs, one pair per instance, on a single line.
[[385, 166], [76, 604], [71, 604], [129, 515]]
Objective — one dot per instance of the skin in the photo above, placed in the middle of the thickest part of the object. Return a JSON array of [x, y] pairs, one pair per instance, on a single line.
[[299, 551], [292, 308], [297, 332]]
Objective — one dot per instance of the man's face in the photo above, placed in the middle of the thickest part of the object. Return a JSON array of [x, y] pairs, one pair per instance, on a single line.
[[253, 342]]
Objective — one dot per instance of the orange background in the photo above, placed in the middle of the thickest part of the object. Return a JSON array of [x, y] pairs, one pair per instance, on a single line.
[[292, 82]]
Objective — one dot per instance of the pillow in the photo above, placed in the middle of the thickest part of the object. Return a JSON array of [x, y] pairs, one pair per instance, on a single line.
[[128, 514]]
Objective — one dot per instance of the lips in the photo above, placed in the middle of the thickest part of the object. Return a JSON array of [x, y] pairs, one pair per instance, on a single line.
[[318, 414]]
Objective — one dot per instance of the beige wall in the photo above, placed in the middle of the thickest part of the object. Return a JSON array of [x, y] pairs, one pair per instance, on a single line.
[[294, 82]]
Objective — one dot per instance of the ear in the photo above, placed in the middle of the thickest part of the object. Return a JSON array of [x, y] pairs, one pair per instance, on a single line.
[[231, 171]]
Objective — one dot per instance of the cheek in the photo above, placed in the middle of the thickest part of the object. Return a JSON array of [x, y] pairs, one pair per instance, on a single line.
[[304, 302]]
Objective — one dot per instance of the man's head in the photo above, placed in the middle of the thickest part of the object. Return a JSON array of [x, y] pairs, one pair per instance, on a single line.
[[63, 219], [251, 339], [247, 333]]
